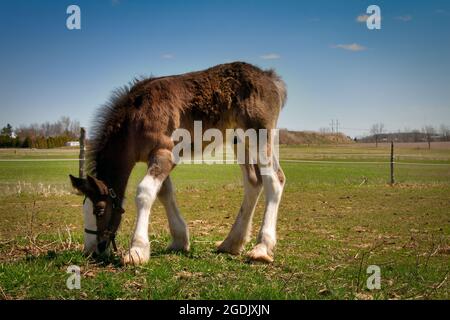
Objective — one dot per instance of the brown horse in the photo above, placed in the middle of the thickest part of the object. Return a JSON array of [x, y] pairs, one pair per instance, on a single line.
[[137, 125]]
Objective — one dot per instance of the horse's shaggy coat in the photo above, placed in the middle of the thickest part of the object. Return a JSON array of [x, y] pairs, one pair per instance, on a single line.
[[137, 124]]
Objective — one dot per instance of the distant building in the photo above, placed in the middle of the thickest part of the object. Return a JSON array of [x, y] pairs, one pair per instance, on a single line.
[[72, 144]]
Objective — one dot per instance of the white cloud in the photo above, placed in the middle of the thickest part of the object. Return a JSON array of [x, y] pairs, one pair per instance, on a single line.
[[362, 18], [168, 56], [404, 18], [350, 47], [270, 56]]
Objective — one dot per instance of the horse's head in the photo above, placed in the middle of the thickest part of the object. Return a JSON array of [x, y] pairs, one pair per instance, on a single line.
[[102, 213]]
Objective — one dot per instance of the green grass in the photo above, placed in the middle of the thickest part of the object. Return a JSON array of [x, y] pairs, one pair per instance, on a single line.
[[331, 227]]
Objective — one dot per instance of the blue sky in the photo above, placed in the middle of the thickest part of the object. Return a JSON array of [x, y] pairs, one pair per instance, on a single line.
[[398, 75]]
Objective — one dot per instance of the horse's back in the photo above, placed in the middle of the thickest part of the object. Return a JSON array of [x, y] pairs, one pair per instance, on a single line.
[[227, 96]]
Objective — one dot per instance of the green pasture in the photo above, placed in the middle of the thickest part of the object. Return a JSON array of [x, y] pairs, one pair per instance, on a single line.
[[338, 216]]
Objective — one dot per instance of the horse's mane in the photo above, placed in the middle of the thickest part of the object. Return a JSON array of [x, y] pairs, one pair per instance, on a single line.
[[107, 121]]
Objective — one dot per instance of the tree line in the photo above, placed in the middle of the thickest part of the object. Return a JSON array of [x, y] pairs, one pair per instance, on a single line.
[[40, 136], [427, 134]]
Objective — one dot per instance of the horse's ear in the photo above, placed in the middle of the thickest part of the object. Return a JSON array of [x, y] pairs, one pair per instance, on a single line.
[[79, 184], [97, 184]]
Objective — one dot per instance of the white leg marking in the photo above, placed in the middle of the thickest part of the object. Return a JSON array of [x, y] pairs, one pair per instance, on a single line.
[[240, 232], [140, 247], [177, 225], [90, 223], [267, 235]]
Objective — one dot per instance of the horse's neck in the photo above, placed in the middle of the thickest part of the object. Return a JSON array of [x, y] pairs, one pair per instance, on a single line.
[[115, 171]]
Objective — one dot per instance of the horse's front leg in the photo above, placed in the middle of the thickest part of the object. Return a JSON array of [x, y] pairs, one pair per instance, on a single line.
[[147, 191]]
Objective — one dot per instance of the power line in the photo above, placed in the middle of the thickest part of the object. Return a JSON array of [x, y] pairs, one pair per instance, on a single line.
[[334, 126], [356, 129]]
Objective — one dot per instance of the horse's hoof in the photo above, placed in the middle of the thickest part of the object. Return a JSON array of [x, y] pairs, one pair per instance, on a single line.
[[259, 254], [179, 247], [135, 256], [226, 247]]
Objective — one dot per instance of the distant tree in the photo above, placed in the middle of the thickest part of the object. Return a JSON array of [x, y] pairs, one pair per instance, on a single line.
[[27, 142], [48, 134], [416, 136], [429, 131], [376, 130], [324, 130], [7, 140], [444, 132], [65, 124], [51, 142], [74, 129], [7, 131]]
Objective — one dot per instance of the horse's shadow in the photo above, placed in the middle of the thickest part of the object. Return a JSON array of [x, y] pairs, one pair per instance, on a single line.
[[66, 257]]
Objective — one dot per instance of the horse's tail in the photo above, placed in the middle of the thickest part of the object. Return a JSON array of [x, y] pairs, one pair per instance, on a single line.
[[280, 84]]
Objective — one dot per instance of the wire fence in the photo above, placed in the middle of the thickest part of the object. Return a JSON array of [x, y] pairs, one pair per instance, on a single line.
[[206, 161]]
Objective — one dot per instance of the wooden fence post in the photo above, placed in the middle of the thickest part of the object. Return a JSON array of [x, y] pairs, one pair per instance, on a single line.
[[82, 152], [392, 163]]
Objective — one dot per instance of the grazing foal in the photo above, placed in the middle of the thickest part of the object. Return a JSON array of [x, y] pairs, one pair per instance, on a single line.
[[137, 126]]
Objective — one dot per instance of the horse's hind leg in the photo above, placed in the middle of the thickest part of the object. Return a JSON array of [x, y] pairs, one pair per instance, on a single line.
[[273, 180], [240, 232], [159, 167], [177, 226]]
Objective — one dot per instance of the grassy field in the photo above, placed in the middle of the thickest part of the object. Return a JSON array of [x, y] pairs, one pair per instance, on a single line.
[[338, 216]]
